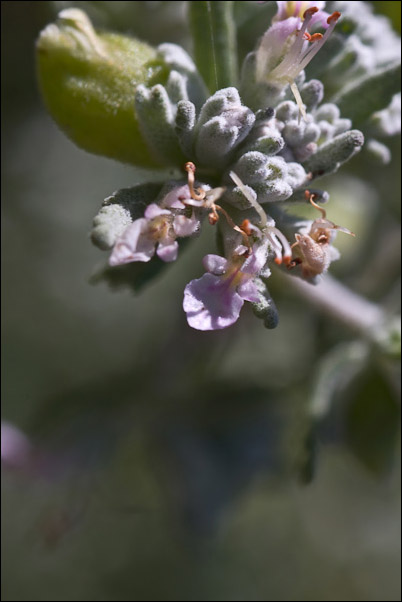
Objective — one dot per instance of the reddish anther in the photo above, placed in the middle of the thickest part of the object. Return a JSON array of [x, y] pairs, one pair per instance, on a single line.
[[334, 17], [245, 226], [315, 37], [310, 12]]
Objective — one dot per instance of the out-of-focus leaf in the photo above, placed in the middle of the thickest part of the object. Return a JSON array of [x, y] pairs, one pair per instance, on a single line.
[[372, 421], [372, 93], [333, 374], [132, 275], [214, 40], [210, 452], [308, 461]]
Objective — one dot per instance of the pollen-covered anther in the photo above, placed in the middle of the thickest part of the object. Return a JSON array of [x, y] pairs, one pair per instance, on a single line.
[[246, 226], [310, 12], [213, 217], [315, 37], [196, 195], [279, 245], [334, 17]]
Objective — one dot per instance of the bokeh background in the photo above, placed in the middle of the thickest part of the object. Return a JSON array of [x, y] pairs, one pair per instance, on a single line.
[[173, 464]]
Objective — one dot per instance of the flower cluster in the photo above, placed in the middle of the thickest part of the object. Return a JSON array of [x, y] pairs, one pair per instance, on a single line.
[[254, 150]]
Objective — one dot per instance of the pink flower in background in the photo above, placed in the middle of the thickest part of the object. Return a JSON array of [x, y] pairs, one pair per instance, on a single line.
[[16, 449]]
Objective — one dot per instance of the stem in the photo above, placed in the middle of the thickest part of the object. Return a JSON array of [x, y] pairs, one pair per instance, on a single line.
[[337, 300], [214, 38]]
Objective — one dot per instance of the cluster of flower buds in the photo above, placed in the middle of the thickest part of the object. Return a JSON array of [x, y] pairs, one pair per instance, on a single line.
[[251, 158]]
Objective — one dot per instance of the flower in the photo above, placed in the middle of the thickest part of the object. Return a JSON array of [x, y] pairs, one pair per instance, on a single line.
[[287, 47], [314, 247], [297, 9], [214, 301], [16, 449], [280, 60], [157, 230]]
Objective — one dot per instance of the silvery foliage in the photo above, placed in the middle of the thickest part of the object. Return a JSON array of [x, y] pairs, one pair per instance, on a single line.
[[361, 73], [257, 132]]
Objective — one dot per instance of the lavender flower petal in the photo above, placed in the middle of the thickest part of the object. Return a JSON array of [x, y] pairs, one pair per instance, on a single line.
[[185, 226], [133, 245], [168, 250], [215, 264], [211, 303]]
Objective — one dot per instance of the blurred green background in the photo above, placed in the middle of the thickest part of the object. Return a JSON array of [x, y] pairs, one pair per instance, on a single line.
[[172, 457]]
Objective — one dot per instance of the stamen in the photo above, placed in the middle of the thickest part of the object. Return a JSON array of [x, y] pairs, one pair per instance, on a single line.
[[299, 100], [311, 199], [310, 12], [195, 194], [194, 203], [233, 225], [280, 247], [276, 247], [322, 223], [345, 230], [315, 37], [288, 68], [297, 57], [333, 18], [313, 49], [250, 198], [246, 226], [287, 255], [213, 217]]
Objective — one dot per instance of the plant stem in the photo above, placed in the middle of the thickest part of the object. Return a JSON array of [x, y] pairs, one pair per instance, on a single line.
[[214, 38], [337, 300]]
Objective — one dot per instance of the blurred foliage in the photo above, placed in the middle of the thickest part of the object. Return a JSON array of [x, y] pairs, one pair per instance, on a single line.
[[166, 459], [392, 10]]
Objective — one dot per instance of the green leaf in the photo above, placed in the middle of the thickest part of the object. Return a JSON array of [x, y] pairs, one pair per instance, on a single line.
[[88, 81], [214, 39], [372, 93]]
